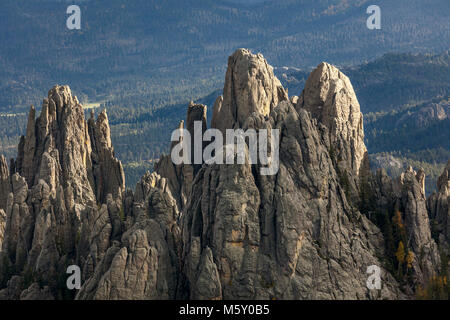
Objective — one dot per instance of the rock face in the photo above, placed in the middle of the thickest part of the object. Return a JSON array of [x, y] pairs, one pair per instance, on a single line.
[[196, 113], [403, 201], [179, 177], [330, 98], [211, 231], [250, 86], [411, 193], [145, 262], [2, 227], [107, 170], [439, 205], [54, 216], [425, 116], [289, 236], [5, 184]]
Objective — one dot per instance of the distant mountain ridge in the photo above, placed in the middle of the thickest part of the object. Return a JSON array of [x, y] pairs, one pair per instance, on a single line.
[[151, 47], [389, 82]]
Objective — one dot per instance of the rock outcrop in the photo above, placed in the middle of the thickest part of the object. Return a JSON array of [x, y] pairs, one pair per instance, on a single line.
[[289, 236], [196, 113], [5, 184], [54, 195], [250, 86], [439, 205], [108, 173], [214, 231], [410, 189], [330, 98], [425, 116], [403, 205], [143, 263], [2, 227]]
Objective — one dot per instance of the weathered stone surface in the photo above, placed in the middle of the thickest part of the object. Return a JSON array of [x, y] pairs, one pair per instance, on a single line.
[[5, 184], [289, 236], [410, 191], [145, 263], [212, 231], [28, 166], [57, 147], [2, 227], [13, 289], [196, 113], [425, 116], [207, 285], [34, 292], [52, 218], [330, 98], [109, 176], [405, 196], [180, 177], [250, 86], [439, 206]]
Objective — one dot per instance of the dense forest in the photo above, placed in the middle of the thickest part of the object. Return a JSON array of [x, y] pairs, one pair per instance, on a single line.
[[130, 51]]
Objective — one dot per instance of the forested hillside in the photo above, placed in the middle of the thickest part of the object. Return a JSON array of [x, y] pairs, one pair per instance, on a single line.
[[389, 82], [153, 52], [405, 101]]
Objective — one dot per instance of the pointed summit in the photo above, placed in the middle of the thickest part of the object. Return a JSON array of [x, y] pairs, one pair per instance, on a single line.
[[109, 177], [250, 86], [330, 98]]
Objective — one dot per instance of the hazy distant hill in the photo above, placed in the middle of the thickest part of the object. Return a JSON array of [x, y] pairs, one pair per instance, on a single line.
[[141, 50], [405, 101], [389, 82]]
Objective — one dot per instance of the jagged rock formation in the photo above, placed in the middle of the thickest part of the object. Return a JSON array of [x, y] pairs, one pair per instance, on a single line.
[[330, 98], [410, 190], [2, 227], [52, 214], [405, 198], [5, 185], [282, 236], [250, 86], [180, 176], [425, 116], [211, 231], [145, 262], [439, 205], [107, 170], [196, 113]]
